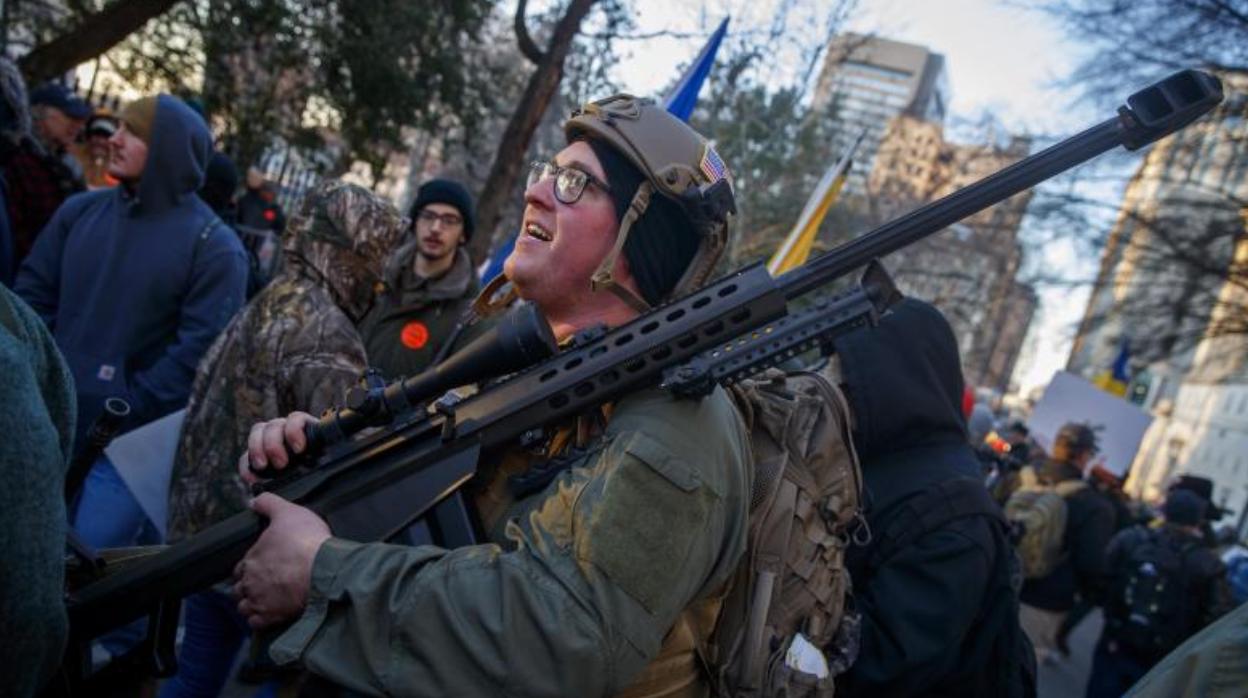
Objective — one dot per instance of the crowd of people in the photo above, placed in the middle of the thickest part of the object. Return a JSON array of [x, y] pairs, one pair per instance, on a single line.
[[133, 268], [1157, 575]]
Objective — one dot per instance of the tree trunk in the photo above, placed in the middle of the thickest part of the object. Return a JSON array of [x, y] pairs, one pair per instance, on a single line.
[[509, 159], [94, 35]]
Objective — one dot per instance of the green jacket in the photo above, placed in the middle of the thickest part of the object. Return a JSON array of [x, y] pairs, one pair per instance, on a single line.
[[576, 596], [412, 319], [37, 419]]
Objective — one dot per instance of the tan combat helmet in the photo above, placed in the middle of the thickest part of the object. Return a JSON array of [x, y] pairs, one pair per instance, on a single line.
[[678, 163]]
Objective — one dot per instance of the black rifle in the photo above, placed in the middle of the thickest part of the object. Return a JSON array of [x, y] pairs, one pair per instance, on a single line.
[[101, 433], [370, 487]]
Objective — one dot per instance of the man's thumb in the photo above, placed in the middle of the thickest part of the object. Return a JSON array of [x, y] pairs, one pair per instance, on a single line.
[[269, 505]]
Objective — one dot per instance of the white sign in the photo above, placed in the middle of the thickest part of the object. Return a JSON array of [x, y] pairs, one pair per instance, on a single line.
[[1119, 425], [144, 459]]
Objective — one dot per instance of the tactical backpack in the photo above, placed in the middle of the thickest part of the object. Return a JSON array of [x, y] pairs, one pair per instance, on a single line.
[[1038, 515], [804, 512], [1153, 612], [999, 660]]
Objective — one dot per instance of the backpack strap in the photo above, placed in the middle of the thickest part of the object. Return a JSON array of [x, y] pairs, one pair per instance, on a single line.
[[1013, 670], [927, 511], [1066, 488]]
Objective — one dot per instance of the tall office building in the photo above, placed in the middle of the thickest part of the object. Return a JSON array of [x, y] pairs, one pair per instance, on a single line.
[[866, 81]]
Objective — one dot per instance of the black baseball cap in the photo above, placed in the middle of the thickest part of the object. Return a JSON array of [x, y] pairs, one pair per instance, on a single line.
[[54, 94]]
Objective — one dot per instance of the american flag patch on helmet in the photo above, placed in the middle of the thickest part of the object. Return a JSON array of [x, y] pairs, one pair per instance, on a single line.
[[711, 165]]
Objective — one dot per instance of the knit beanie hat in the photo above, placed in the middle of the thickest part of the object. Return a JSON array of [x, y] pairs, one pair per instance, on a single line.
[[446, 191], [139, 116], [662, 242], [1184, 507]]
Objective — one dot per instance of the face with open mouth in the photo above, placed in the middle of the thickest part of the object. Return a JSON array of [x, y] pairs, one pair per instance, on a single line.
[[560, 244]]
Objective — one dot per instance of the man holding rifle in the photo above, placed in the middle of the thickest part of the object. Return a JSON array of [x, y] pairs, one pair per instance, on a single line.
[[613, 564], [610, 551]]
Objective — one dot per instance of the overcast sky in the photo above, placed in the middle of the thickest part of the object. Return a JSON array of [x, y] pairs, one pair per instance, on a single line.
[[998, 57]]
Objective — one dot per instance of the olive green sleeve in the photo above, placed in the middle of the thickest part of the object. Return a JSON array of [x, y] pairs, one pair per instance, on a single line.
[[601, 568]]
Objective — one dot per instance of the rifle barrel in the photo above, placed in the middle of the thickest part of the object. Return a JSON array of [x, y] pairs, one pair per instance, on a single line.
[[1150, 114]]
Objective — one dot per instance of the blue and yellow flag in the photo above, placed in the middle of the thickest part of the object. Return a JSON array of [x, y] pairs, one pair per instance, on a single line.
[[1115, 380]]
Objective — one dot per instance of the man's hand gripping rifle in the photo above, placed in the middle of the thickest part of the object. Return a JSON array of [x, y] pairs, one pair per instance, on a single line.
[[371, 486]]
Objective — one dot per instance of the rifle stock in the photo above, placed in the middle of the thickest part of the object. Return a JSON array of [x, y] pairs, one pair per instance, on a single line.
[[368, 487]]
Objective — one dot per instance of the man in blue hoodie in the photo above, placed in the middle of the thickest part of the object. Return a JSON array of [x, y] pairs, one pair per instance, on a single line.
[[135, 282]]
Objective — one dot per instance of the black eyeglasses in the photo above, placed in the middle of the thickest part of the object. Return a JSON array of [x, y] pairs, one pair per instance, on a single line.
[[450, 221], [570, 182]]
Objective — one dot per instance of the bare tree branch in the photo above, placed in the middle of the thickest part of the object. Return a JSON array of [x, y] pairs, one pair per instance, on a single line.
[[509, 158], [523, 39], [94, 35]]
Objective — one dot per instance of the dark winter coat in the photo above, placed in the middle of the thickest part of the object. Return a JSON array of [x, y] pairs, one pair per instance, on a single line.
[[939, 611], [414, 318], [1205, 588]]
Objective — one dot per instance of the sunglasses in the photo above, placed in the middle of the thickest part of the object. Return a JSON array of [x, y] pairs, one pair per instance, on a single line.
[[570, 182]]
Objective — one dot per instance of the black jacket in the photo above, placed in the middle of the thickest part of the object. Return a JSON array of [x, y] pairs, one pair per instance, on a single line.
[[1206, 589], [939, 608], [1090, 522]]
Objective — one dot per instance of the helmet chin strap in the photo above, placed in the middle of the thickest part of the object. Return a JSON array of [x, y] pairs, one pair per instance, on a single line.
[[496, 297], [602, 278]]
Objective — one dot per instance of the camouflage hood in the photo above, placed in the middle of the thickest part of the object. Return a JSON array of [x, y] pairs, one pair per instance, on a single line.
[[341, 238]]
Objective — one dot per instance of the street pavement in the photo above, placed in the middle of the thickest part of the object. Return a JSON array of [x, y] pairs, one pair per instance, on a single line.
[[1068, 677]]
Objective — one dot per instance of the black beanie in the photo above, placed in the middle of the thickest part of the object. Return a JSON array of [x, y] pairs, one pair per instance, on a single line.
[[662, 242], [1184, 507], [446, 191]]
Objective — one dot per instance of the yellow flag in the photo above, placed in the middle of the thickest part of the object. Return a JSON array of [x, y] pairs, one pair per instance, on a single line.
[[1106, 381], [797, 245]]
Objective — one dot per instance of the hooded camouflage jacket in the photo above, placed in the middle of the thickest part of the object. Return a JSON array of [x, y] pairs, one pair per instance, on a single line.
[[294, 347]]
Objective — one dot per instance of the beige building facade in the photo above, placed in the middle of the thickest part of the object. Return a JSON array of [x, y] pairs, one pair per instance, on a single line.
[[969, 271]]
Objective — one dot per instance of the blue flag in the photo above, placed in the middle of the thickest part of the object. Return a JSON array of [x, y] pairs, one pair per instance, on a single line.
[[1121, 370], [684, 96], [495, 266]]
